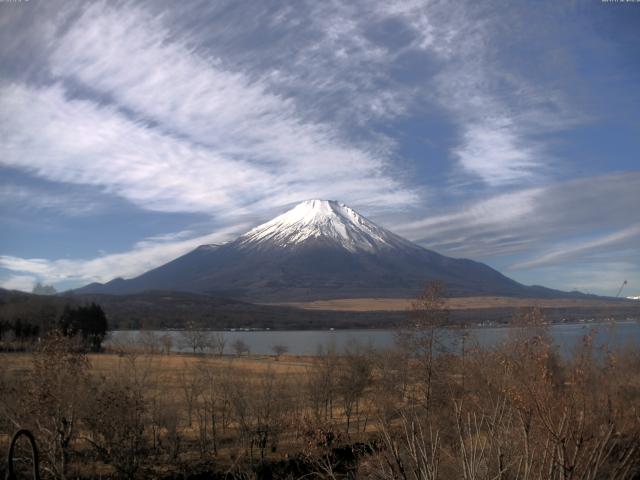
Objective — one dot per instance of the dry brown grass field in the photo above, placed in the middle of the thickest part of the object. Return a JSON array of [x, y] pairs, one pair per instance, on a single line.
[[459, 303], [167, 368], [517, 411], [180, 386]]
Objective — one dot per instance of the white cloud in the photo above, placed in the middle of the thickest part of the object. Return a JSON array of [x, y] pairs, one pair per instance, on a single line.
[[39, 266], [132, 57], [345, 73], [166, 237], [170, 128], [484, 228], [24, 283], [571, 251], [29, 199], [77, 141], [496, 111], [491, 212], [534, 221], [495, 153]]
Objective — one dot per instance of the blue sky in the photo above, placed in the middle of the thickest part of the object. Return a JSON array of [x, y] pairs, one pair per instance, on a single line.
[[506, 132]]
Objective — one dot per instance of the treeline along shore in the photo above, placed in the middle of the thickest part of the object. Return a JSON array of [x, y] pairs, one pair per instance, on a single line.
[[162, 310]]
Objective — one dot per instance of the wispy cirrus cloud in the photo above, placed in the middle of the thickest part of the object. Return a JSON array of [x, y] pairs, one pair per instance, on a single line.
[[77, 141], [27, 199], [179, 131], [357, 50], [132, 57], [627, 237], [498, 113], [248, 117], [233, 115], [535, 221]]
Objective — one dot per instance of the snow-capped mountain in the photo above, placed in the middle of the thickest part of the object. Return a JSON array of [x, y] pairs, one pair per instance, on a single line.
[[317, 250], [325, 221]]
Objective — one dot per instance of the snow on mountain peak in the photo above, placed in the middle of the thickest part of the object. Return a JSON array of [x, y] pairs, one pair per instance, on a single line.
[[323, 220]]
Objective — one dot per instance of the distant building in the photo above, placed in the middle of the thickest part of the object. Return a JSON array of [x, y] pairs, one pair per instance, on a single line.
[[637, 297]]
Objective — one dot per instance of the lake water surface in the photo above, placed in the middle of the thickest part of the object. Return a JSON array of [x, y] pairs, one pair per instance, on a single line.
[[307, 342]]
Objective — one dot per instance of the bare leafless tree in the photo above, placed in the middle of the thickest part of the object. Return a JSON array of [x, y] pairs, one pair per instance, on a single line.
[[423, 335], [240, 347], [217, 343], [321, 380], [195, 338], [279, 350], [55, 392], [149, 341], [210, 406], [166, 341], [354, 376], [191, 387], [116, 423]]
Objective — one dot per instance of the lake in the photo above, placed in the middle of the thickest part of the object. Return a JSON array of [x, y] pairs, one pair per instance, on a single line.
[[306, 342]]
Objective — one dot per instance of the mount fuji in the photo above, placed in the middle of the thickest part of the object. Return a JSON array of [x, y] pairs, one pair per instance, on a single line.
[[319, 250]]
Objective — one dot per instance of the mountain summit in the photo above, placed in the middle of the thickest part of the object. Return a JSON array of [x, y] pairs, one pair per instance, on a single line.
[[319, 249], [325, 222]]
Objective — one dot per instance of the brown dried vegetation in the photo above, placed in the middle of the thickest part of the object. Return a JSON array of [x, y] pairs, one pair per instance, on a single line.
[[420, 411]]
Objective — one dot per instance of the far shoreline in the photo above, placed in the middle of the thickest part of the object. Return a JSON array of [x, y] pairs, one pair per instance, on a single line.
[[379, 329]]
